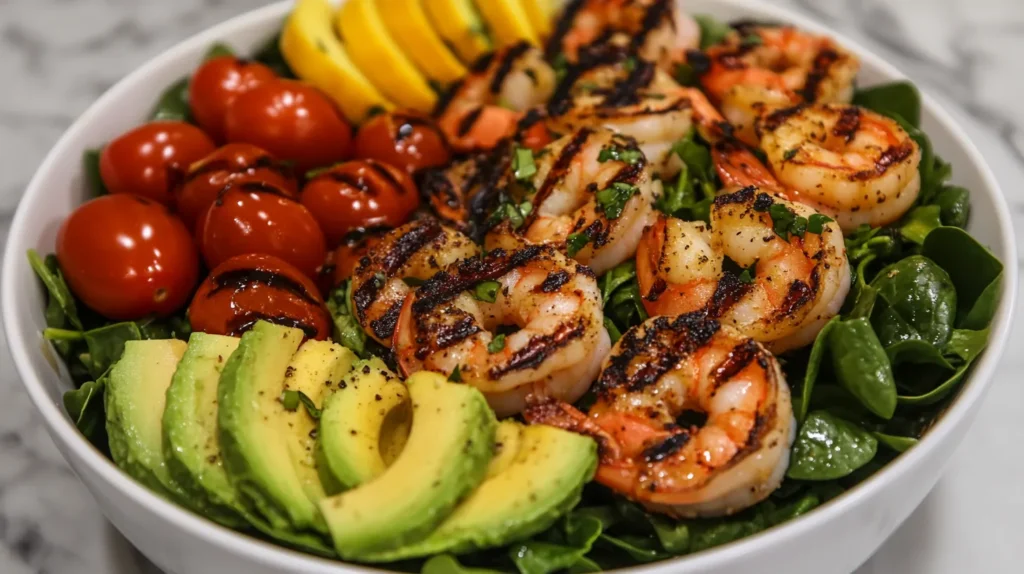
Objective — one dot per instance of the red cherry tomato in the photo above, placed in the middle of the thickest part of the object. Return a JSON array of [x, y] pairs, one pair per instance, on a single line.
[[253, 217], [359, 194], [291, 120], [233, 163], [217, 83], [127, 257], [252, 287], [149, 159], [407, 140], [536, 137]]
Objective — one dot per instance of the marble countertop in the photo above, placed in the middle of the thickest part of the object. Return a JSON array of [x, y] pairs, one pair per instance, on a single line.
[[60, 55]]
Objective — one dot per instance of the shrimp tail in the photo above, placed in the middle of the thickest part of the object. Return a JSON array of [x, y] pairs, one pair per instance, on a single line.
[[562, 415]]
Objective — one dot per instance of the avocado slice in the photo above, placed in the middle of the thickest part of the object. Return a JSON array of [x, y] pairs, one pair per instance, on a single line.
[[363, 427], [446, 456], [508, 439], [269, 450], [134, 400], [190, 428], [543, 481]]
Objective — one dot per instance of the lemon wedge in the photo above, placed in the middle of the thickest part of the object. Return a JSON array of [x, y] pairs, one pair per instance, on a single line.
[[540, 13], [368, 43], [315, 55], [507, 21], [459, 24], [408, 25]]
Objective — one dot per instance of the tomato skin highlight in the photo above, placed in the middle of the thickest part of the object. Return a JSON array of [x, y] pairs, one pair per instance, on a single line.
[[254, 217], [251, 287], [359, 194], [127, 257], [407, 140], [216, 84], [150, 159], [230, 164], [291, 120]]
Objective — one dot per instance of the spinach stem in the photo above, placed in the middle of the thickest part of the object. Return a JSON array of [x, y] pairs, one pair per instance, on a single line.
[[54, 334]]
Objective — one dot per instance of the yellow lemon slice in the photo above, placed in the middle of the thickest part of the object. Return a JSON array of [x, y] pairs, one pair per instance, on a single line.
[[458, 22], [368, 43], [507, 21], [540, 13], [408, 25], [315, 55]]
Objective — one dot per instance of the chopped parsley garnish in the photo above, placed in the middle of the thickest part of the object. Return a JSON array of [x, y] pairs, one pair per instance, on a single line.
[[616, 153], [487, 291], [629, 64], [456, 376], [787, 223], [497, 344], [790, 154], [612, 199], [523, 164], [515, 214], [751, 40], [747, 276], [816, 222], [291, 399], [575, 242]]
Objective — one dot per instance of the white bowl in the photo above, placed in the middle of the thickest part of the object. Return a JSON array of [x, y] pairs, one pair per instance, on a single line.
[[834, 538]]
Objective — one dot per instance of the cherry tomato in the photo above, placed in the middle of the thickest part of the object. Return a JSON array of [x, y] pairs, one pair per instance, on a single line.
[[150, 159], [359, 194], [233, 163], [247, 288], [536, 136], [217, 83], [346, 257], [291, 120], [253, 217], [127, 257], [407, 140]]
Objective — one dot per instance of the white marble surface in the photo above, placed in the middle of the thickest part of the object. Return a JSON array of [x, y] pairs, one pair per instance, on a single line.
[[57, 56]]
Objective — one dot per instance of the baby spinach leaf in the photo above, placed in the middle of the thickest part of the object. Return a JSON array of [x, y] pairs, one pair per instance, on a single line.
[[920, 302], [674, 537], [616, 277], [828, 447], [640, 548], [620, 291], [920, 222], [893, 99], [106, 345], [218, 50], [712, 30], [85, 407], [973, 269], [91, 168], [954, 204], [896, 443], [613, 330], [862, 367], [270, 55], [690, 197], [802, 505], [173, 104], [941, 391], [61, 308], [813, 366], [933, 170], [916, 351], [708, 535], [966, 344], [447, 564], [537, 557], [347, 330]]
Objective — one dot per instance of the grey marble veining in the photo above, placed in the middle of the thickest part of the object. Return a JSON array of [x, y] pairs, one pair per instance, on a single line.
[[58, 56]]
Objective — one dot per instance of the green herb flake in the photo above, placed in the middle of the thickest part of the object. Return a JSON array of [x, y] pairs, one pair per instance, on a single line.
[[751, 40], [456, 376], [629, 64], [575, 242], [523, 164], [496, 345], [616, 153], [816, 223], [290, 400], [790, 154], [487, 291], [309, 404], [612, 199], [747, 276]]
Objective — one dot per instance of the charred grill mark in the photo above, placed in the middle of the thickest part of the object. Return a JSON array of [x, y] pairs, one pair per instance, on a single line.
[[666, 448], [241, 279], [384, 327], [819, 71], [467, 121], [446, 99], [799, 294], [250, 187], [848, 124], [657, 289], [539, 348], [656, 13], [533, 115], [554, 281], [258, 162], [763, 202], [558, 171], [437, 189], [739, 357], [246, 321], [893, 155], [561, 28], [727, 293], [596, 232], [482, 63], [699, 61], [408, 244], [675, 106], [627, 92], [761, 422], [448, 335], [446, 285], [387, 176], [742, 196], [775, 119], [508, 58], [353, 181], [631, 172]]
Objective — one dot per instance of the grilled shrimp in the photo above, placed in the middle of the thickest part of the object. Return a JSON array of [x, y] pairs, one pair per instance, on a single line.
[[449, 325], [852, 163], [761, 68], [462, 193], [655, 30], [485, 106], [587, 194], [797, 284], [415, 250], [661, 369]]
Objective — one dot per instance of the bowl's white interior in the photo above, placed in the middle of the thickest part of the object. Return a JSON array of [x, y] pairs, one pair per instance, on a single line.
[[58, 188]]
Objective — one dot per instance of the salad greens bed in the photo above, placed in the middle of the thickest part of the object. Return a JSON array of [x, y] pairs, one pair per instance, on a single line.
[[875, 379]]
